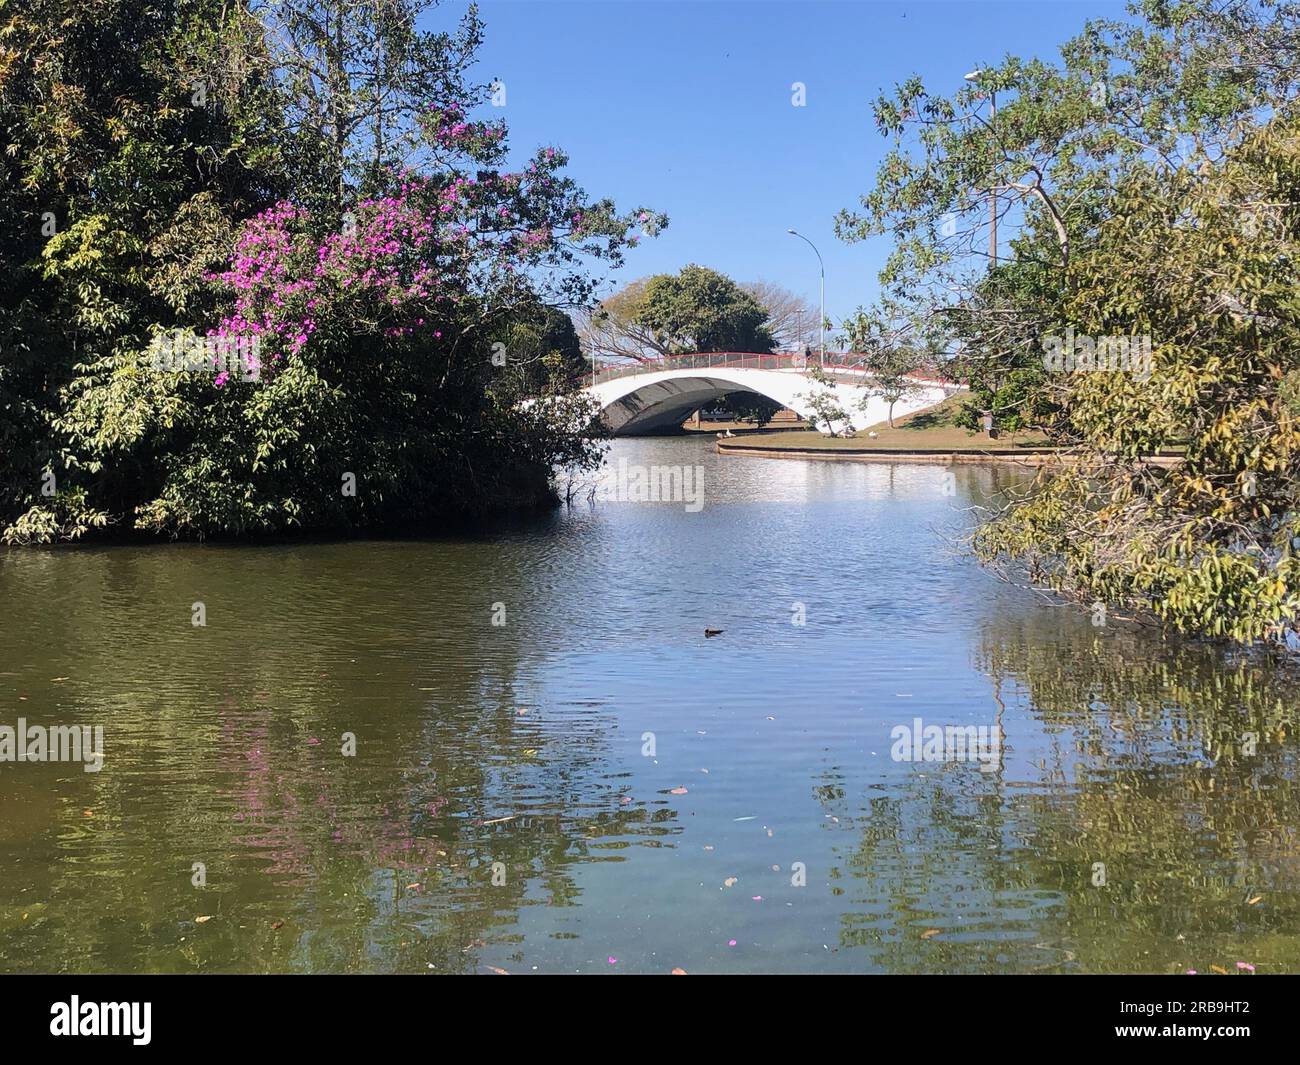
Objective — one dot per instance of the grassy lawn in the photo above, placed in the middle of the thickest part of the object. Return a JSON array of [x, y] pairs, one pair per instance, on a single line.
[[932, 429]]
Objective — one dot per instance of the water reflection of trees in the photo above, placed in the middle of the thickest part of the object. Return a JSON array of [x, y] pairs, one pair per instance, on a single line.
[[224, 747], [1122, 750]]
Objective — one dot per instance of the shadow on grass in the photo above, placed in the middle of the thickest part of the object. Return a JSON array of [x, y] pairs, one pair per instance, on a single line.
[[927, 419]]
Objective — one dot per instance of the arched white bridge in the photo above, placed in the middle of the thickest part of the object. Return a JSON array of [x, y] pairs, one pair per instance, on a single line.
[[651, 397]]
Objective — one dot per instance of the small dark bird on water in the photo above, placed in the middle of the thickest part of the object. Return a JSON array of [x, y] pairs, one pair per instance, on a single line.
[[712, 632]]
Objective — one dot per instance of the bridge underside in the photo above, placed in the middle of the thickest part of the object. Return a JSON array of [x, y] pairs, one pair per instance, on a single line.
[[664, 405]]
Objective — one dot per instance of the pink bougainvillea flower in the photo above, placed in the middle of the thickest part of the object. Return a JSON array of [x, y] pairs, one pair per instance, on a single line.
[[395, 256]]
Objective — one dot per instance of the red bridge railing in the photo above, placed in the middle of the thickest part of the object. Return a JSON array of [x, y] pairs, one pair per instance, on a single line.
[[838, 363]]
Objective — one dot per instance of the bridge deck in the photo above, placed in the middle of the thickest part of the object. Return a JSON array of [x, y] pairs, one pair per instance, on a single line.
[[837, 364]]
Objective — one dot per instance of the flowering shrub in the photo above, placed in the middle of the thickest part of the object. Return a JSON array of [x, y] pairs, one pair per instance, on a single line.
[[374, 331], [368, 295], [404, 263]]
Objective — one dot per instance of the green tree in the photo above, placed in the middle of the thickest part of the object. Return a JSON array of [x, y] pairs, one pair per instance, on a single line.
[[1206, 545], [217, 173], [1165, 88], [1147, 180], [357, 79], [997, 332], [617, 327], [699, 309], [539, 345], [136, 136]]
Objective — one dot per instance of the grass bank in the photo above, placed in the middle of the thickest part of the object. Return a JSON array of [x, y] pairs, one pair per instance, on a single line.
[[930, 435], [934, 429]]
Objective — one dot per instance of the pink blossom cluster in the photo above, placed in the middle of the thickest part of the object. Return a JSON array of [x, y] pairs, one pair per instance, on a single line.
[[399, 260], [382, 267], [449, 128]]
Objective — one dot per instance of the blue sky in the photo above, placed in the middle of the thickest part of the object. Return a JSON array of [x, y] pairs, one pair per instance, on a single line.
[[686, 108]]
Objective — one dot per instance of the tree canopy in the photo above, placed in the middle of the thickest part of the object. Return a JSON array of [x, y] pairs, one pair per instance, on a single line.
[[302, 184], [696, 309], [1144, 302]]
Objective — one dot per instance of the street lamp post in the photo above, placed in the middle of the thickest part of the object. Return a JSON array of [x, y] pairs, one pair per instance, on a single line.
[[973, 76], [821, 323]]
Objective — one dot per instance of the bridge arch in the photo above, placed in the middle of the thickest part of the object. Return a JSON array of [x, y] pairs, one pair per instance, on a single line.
[[658, 397], [661, 402]]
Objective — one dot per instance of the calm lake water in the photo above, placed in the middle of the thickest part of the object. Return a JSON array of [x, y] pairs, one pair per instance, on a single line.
[[594, 786]]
